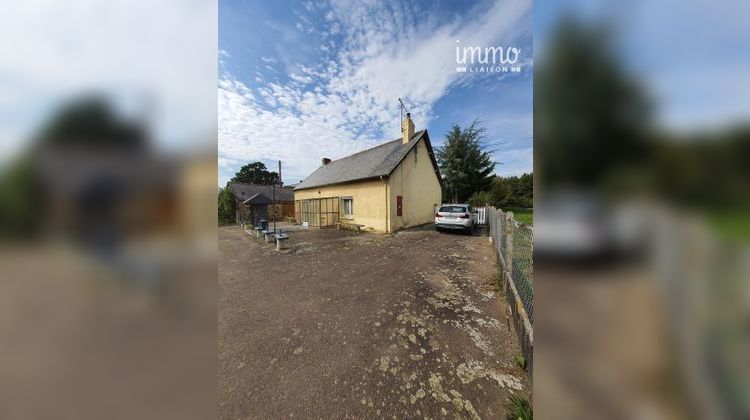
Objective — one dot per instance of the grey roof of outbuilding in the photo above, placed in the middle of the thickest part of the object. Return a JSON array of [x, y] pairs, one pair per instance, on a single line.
[[371, 163], [258, 199], [244, 191]]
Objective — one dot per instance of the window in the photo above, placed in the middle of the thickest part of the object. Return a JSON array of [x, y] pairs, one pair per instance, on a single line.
[[348, 206], [399, 205], [453, 209]]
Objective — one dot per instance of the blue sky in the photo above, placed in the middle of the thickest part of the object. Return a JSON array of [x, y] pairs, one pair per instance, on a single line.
[[301, 80], [691, 56], [162, 73]]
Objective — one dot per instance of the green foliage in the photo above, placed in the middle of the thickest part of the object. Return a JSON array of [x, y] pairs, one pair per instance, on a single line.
[[501, 191], [594, 131], [465, 166], [91, 121], [255, 173], [590, 116], [511, 192], [20, 201], [227, 206], [733, 226], [480, 199], [520, 361], [518, 408], [514, 191], [712, 170]]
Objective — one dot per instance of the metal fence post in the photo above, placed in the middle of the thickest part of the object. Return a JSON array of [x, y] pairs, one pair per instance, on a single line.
[[510, 226]]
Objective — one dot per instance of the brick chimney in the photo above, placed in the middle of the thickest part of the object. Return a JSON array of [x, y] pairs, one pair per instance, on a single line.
[[326, 161], [407, 129]]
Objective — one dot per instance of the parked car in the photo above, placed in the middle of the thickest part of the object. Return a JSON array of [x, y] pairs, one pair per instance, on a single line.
[[578, 225], [455, 216]]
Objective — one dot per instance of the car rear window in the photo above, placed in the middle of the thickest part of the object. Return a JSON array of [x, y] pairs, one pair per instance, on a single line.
[[452, 209]]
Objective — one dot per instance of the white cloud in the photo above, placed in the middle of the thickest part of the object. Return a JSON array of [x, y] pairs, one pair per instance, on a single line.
[[389, 51], [162, 54]]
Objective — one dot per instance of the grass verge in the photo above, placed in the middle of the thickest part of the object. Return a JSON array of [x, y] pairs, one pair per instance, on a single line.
[[523, 215]]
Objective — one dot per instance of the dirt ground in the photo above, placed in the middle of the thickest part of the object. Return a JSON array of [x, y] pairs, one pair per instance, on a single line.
[[363, 325], [602, 348]]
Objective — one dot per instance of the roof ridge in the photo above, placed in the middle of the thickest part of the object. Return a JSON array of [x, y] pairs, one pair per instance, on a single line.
[[375, 147], [256, 185], [375, 161], [363, 151]]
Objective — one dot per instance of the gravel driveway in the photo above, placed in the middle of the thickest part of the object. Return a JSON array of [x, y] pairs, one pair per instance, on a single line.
[[363, 325]]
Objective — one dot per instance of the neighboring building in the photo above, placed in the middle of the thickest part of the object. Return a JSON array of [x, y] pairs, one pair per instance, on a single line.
[[255, 202], [105, 197], [386, 188]]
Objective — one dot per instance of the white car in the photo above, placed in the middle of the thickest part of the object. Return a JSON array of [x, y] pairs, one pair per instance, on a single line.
[[455, 216], [580, 225]]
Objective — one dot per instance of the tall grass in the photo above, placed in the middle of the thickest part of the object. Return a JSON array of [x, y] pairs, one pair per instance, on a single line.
[[519, 408]]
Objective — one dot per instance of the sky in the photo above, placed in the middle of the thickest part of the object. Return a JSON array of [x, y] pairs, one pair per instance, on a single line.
[[691, 56], [153, 60], [302, 80]]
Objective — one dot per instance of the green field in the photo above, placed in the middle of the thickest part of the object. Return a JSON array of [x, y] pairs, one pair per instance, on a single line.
[[732, 226], [524, 216]]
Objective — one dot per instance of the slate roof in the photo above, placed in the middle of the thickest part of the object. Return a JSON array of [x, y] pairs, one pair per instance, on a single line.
[[371, 163], [243, 192], [258, 199]]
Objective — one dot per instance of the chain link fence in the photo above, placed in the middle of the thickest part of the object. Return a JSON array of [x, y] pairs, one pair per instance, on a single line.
[[522, 267], [514, 247], [514, 241]]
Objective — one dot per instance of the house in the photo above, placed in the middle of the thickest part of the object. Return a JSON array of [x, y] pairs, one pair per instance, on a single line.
[[255, 202], [106, 197], [386, 188]]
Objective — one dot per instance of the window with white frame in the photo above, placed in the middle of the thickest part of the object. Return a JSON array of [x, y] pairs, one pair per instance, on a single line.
[[347, 205]]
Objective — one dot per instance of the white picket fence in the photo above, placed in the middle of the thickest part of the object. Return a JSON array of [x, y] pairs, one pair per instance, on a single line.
[[482, 215]]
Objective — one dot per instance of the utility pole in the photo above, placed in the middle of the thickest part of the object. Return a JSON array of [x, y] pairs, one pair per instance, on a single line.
[[273, 199], [273, 192]]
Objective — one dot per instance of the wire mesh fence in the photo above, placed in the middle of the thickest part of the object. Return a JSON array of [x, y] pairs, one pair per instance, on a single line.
[[522, 267], [513, 243]]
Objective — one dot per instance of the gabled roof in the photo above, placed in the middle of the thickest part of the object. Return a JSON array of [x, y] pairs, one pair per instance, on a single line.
[[243, 191], [371, 163], [258, 199]]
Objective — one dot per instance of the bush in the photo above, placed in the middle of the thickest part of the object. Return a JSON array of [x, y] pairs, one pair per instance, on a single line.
[[480, 199], [226, 206]]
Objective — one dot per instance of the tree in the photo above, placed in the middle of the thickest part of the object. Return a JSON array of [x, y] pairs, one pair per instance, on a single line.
[[466, 168], [256, 173], [520, 191], [501, 192], [590, 116], [21, 200], [91, 122], [227, 206], [481, 199]]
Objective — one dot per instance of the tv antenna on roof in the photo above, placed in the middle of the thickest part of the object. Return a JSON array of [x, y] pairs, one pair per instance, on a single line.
[[401, 109]]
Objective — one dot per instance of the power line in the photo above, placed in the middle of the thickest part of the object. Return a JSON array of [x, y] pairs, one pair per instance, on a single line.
[[504, 142]]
